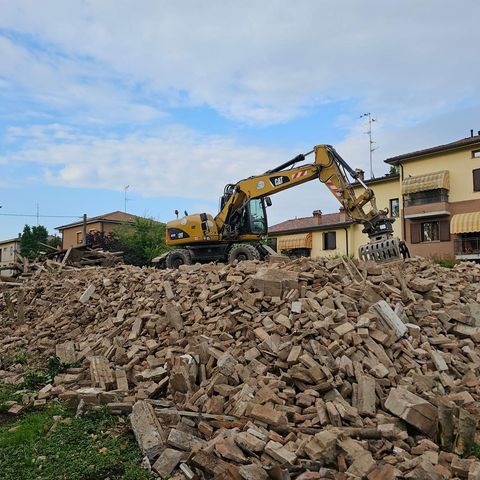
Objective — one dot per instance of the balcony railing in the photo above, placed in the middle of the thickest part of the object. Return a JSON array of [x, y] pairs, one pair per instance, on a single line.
[[422, 198], [467, 246]]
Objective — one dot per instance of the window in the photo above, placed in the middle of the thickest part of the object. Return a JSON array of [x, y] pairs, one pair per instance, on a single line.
[[476, 180], [257, 217], [330, 241], [298, 252], [432, 231], [79, 238], [427, 196], [394, 207], [475, 153]]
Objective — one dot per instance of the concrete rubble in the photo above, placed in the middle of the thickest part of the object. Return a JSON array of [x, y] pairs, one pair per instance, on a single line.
[[307, 369]]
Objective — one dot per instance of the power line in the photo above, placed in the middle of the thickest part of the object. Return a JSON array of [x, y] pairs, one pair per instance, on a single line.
[[39, 216]]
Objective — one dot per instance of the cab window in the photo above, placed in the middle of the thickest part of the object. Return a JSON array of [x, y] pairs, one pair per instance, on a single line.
[[257, 217]]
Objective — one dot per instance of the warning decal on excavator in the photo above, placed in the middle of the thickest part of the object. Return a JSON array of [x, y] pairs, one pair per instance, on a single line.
[[299, 174], [334, 189], [278, 180]]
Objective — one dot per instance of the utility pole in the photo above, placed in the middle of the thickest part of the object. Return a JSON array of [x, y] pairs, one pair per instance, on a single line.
[[371, 142], [125, 188]]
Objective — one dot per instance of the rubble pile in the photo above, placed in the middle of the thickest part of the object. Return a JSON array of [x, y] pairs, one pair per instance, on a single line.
[[56, 260], [324, 369]]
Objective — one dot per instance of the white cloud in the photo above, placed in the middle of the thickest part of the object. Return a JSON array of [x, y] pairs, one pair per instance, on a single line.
[[267, 62], [67, 85], [175, 162]]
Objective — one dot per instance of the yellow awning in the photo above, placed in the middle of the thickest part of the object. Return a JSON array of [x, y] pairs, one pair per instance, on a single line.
[[429, 181], [465, 223], [299, 240]]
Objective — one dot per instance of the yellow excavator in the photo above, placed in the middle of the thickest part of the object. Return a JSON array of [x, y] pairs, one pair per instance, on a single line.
[[238, 231]]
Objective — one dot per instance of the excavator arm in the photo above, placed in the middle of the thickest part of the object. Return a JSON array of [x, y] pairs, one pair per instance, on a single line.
[[333, 171]]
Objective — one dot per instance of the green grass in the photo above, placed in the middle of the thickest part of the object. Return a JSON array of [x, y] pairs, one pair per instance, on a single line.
[[95, 447], [9, 359], [475, 450], [34, 379], [8, 392], [444, 262]]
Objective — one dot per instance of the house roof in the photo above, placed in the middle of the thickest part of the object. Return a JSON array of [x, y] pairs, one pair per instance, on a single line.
[[464, 142], [327, 220], [385, 178], [107, 217], [12, 240]]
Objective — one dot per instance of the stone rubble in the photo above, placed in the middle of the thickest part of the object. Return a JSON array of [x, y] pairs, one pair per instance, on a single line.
[[307, 369]]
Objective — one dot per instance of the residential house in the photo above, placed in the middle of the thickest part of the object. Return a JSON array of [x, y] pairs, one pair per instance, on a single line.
[[318, 235], [435, 198], [8, 255], [441, 198], [73, 233]]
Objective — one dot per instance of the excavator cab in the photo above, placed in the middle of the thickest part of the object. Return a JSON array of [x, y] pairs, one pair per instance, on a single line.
[[254, 218]]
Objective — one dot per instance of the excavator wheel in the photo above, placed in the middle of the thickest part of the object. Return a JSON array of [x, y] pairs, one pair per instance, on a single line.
[[243, 251], [175, 258]]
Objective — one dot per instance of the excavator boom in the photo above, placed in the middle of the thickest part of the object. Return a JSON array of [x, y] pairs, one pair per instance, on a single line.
[[242, 215]]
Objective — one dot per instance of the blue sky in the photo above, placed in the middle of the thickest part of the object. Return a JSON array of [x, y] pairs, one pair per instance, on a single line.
[[178, 99]]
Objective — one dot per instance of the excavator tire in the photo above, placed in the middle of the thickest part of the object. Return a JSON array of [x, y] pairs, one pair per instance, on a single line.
[[178, 257], [243, 251]]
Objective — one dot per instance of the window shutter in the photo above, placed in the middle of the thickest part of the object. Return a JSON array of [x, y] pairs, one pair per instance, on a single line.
[[445, 230], [415, 232], [330, 240], [476, 180]]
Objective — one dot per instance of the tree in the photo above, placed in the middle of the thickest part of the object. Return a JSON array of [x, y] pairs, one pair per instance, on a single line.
[[54, 241], [145, 239], [31, 239], [393, 170], [140, 241]]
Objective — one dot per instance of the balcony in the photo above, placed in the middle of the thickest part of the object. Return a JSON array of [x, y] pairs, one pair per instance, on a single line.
[[467, 248], [426, 197]]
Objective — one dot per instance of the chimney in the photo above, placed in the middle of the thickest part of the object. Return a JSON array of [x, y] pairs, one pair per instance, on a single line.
[[471, 132], [343, 216], [317, 214], [360, 174]]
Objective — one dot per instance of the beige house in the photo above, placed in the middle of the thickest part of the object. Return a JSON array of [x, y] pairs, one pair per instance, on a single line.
[[440, 187], [73, 234], [8, 255], [435, 198]]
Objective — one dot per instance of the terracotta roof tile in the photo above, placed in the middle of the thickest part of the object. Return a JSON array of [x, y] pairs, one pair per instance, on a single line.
[[106, 217], [306, 223]]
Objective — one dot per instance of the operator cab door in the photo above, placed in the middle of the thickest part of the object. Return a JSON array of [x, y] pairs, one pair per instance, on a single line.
[[254, 219]]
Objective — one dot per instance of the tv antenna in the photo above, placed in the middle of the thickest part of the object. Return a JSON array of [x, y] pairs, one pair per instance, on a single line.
[[371, 142], [125, 198]]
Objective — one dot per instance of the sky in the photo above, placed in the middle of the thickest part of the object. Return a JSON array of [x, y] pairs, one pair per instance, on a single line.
[[177, 99]]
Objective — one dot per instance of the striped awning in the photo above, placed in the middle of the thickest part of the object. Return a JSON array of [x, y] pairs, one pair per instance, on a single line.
[[299, 240], [465, 223], [429, 181]]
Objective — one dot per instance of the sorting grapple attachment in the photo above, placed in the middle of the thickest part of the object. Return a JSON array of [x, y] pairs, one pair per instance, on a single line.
[[385, 250]]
